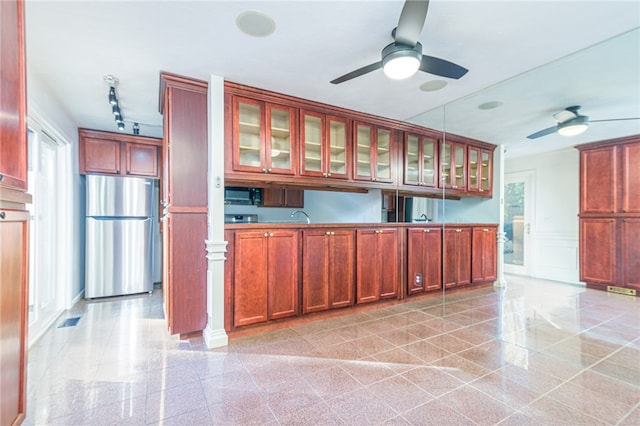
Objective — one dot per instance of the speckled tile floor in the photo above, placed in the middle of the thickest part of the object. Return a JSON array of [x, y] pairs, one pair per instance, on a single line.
[[534, 353]]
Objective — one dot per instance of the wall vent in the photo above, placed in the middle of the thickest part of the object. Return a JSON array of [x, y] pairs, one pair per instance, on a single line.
[[621, 290]]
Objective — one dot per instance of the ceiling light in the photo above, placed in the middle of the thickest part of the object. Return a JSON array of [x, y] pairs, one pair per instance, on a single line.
[[121, 126], [400, 61], [256, 24], [136, 129], [115, 109], [433, 85], [490, 105], [112, 96], [574, 127]]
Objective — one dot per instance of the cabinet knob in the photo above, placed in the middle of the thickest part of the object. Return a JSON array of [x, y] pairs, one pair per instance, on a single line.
[[271, 234], [269, 170], [328, 233], [333, 233], [328, 174], [264, 170], [426, 230], [485, 230], [458, 230], [324, 174], [266, 235], [481, 190], [3, 214]]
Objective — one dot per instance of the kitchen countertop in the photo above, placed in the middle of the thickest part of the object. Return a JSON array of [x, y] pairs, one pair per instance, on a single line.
[[290, 225]]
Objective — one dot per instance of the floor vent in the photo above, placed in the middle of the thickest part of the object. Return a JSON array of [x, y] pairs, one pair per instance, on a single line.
[[620, 290], [70, 322]]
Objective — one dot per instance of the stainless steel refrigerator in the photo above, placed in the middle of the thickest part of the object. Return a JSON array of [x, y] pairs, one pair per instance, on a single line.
[[119, 236]]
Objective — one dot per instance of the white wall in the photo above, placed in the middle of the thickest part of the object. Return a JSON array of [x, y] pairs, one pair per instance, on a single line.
[[554, 230], [52, 116]]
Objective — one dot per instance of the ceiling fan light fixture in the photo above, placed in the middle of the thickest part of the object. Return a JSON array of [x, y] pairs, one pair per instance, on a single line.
[[574, 127], [400, 61]]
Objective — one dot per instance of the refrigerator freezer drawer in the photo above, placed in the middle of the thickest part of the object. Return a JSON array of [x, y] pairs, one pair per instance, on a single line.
[[119, 196], [118, 257]]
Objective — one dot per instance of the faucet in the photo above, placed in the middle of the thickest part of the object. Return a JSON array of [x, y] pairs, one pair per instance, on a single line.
[[424, 216], [293, 213]]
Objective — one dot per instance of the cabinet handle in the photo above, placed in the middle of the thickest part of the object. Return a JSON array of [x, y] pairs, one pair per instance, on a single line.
[[328, 174], [269, 170], [481, 190], [328, 233], [264, 170], [266, 235], [485, 230], [271, 234], [333, 233], [377, 232], [458, 230], [3, 214], [426, 230]]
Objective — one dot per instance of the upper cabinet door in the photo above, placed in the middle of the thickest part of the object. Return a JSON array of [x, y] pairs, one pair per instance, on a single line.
[[248, 135], [262, 137], [420, 161], [338, 147], [598, 180], [278, 146], [373, 153], [13, 100], [312, 144], [631, 178], [101, 156], [453, 165]]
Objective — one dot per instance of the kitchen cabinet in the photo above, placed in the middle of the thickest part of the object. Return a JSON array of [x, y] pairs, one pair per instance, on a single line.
[[13, 97], [376, 264], [14, 217], [479, 170], [327, 269], [421, 160], [282, 197], [424, 259], [265, 283], [183, 103], [610, 213], [325, 144], [453, 165], [456, 264], [118, 154], [373, 153], [263, 137], [484, 254]]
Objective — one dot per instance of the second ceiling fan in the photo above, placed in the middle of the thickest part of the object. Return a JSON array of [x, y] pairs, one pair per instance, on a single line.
[[404, 57]]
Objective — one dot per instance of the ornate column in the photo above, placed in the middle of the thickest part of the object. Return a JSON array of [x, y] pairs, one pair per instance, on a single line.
[[214, 334]]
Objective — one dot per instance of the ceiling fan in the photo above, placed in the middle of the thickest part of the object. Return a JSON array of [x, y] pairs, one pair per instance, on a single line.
[[571, 123], [402, 58]]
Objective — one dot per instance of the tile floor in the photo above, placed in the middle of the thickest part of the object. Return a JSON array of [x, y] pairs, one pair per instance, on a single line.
[[534, 353]]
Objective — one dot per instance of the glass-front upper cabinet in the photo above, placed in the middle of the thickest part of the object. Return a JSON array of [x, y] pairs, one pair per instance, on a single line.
[[325, 145], [420, 160], [453, 166], [262, 137], [373, 153], [479, 171]]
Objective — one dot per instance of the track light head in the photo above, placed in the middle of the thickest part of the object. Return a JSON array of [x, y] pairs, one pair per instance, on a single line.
[[136, 129], [113, 100]]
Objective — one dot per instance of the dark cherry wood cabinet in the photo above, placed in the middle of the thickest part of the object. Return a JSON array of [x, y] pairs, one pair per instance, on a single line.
[[14, 216], [325, 145], [373, 153], [183, 102], [610, 213], [282, 197], [421, 159], [13, 96], [376, 264], [484, 254], [265, 276], [479, 170], [118, 154], [453, 166], [456, 264], [598, 248], [327, 269], [424, 259]]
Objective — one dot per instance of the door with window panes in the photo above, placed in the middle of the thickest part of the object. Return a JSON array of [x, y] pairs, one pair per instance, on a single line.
[[373, 157]]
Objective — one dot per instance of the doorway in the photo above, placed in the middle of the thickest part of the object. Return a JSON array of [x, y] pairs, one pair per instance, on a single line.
[[46, 231], [518, 217]]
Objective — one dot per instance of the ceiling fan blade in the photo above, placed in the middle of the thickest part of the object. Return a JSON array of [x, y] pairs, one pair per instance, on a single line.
[[441, 67], [544, 132], [615, 119], [357, 73], [411, 22]]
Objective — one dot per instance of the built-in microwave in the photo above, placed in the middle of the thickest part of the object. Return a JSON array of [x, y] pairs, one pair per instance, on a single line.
[[242, 196]]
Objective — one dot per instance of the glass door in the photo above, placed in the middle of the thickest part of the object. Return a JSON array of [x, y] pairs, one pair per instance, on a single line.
[[312, 144], [518, 207]]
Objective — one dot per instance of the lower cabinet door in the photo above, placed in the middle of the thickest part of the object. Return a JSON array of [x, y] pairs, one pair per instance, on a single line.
[[424, 260], [315, 270], [630, 236], [341, 268], [282, 274], [598, 251], [250, 277]]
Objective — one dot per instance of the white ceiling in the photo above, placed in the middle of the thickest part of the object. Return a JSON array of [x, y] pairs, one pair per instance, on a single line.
[[506, 45]]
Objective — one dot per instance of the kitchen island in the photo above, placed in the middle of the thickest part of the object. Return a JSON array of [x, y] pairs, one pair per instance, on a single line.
[[277, 274]]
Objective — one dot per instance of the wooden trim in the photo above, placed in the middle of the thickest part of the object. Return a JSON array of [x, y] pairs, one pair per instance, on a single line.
[[608, 142], [120, 137], [184, 83]]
